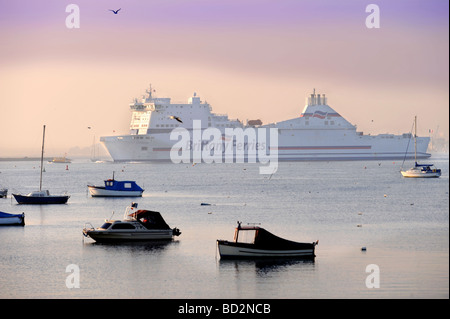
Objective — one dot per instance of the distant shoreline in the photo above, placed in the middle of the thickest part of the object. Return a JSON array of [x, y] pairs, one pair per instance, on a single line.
[[46, 159], [15, 159]]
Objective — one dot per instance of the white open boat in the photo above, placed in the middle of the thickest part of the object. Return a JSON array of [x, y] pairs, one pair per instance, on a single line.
[[7, 219], [256, 242], [137, 225]]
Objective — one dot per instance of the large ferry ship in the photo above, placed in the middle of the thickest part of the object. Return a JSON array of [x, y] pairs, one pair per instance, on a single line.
[[318, 133]]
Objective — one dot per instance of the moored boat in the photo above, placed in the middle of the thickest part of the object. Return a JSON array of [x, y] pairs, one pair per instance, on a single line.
[[63, 160], [420, 170], [114, 188], [42, 196], [7, 219], [256, 242], [137, 225]]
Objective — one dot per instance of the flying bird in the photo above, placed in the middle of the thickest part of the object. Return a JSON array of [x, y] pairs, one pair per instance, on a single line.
[[176, 118], [115, 11]]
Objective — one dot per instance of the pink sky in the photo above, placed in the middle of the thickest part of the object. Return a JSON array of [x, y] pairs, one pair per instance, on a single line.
[[249, 59]]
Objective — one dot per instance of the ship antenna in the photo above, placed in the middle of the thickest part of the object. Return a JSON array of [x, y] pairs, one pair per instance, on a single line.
[[150, 91]]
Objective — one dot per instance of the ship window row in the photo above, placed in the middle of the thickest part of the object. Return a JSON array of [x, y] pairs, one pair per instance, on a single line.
[[325, 123], [167, 125], [159, 107], [224, 125]]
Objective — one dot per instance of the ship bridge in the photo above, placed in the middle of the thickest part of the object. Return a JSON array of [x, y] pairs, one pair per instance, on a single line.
[[160, 115]]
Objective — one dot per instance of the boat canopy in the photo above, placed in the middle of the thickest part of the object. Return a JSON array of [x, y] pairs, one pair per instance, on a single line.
[[113, 184], [42, 193], [150, 219], [262, 238], [423, 165], [6, 215]]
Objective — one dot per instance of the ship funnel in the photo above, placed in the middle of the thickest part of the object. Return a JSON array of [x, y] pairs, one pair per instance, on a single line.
[[316, 99]]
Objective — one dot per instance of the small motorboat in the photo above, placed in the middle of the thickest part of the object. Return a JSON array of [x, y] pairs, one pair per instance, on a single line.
[[256, 242], [7, 219], [137, 225], [114, 188]]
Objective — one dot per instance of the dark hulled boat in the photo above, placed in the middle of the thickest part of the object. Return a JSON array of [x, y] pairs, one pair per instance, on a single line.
[[256, 242]]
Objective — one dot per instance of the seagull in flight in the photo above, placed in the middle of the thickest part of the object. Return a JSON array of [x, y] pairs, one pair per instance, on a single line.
[[115, 11], [176, 118]]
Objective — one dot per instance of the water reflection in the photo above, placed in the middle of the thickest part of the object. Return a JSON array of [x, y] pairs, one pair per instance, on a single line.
[[155, 246], [263, 267]]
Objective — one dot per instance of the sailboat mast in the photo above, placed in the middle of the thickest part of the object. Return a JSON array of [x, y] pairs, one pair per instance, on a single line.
[[415, 139], [42, 158]]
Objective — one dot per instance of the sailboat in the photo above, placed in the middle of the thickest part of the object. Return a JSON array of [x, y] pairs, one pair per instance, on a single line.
[[94, 152], [420, 170], [41, 196]]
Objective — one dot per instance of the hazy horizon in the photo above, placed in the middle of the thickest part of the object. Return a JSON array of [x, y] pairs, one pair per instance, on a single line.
[[249, 59]]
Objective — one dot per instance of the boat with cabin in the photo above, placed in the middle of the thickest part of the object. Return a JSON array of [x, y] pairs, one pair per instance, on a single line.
[[136, 225], [61, 160], [256, 242], [115, 188], [420, 170]]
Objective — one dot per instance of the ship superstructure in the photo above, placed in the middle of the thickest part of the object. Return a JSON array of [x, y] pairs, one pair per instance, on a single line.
[[319, 133]]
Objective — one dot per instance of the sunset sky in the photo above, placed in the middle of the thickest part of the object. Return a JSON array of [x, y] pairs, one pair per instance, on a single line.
[[251, 59]]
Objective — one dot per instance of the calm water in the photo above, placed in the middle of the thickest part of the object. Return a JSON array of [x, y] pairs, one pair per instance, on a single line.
[[404, 225]]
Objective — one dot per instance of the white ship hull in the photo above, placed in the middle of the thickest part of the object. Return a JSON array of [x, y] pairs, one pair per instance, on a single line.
[[293, 146], [318, 134]]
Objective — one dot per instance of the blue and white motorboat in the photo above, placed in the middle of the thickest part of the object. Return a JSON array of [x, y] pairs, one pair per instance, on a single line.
[[114, 188], [7, 219]]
